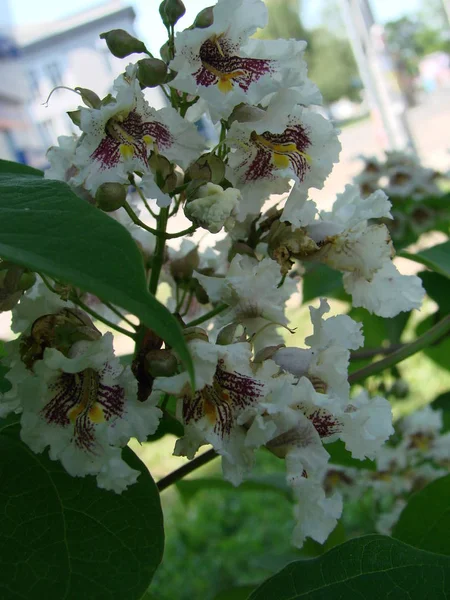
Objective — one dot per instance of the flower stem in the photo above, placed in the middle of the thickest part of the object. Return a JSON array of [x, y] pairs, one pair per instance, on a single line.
[[119, 314], [212, 313], [178, 474], [95, 314], [158, 257], [429, 337]]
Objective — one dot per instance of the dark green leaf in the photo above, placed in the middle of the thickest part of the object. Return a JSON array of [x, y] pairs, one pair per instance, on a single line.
[[320, 280], [167, 425], [425, 520], [438, 288], [236, 593], [7, 166], [63, 538], [340, 456], [442, 402], [373, 567], [5, 384], [438, 352], [46, 227], [436, 258], [275, 482]]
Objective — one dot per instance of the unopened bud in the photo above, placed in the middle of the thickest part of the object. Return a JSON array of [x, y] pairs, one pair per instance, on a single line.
[[164, 52], [195, 333], [182, 269], [161, 363], [160, 165], [208, 167], [243, 113], [267, 353], [121, 43], [151, 72], [26, 281], [226, 334], [171, 11], [110, 196], [14, 280], [205, 18], [89, 97]]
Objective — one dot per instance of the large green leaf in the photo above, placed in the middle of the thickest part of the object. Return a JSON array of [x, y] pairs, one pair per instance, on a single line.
[[340, 456], [442, 402], [241, 592], [63, 538], [440, 350], [7, 166], [46, 227], [425, 520], [438, 288], [436, 258], [373, 567], [320, 280]]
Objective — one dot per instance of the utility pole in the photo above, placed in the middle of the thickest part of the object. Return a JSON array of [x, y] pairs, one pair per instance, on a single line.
[[376, 70]]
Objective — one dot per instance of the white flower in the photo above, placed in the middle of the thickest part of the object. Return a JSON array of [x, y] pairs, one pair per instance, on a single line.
[[363, 252], [214, 207], [225, 387], [61, 158], [220, 64], [84, 408], [250, 289], [288, 142], [119, 136], [426, 420], [326, 363]]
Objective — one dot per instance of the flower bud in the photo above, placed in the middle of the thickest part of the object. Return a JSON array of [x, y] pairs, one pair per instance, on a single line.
[[14, 280], [208, 167], [243, 113], [182, 269], [151, 72], [214, 208], [227, 334], [110, 196], [58, 330], [171, 11], [89, 97], [205, 18], [164, 52], [121, 43], [195, 333], [161, 363]]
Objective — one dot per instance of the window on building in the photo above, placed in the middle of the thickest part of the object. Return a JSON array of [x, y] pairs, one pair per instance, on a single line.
[[35, 89], [53, 72]]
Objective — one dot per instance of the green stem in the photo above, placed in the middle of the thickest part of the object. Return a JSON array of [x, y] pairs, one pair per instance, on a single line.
[[142, 197], [178, 474], [188, 231], [94, 314], [136, 220], [212, 313], [428, 338], [158, 257], [119, 314]]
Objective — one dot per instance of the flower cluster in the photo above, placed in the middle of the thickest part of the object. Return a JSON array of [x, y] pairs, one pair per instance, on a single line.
[[416, 193], [252, 390]]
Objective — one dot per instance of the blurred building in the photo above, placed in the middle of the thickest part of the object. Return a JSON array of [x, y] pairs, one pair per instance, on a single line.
[[67, 53]]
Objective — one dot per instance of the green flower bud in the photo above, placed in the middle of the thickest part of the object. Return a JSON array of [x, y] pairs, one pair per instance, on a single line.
[[208, 168], [164, 52], [121, 43], [171, 11], [151, 72], [110, 196], [195, 333], [205, 18], [27, 280], [182, 269], [14, 280], [89, 97], [161, 363]]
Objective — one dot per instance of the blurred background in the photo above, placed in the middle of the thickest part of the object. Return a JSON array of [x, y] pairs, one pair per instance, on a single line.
[[383, 68]]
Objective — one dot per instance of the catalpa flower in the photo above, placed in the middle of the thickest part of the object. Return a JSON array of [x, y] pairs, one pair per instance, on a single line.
[[84, 408], [225, 387], [363, 252], [220, 64], [250, 289], [287, 142], [119, 136]]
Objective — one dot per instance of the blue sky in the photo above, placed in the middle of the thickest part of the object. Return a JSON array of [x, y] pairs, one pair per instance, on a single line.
[[26, 12]]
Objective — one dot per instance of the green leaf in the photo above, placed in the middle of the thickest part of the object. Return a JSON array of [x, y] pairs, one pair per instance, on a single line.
[[63, 538], [320, 280], [274, 482], [436, 258], [438, 288], [442, 402], [7, 166], [425, 521], [373, 567], [46, 227], [241, 592], [340, 456], [438, 352]]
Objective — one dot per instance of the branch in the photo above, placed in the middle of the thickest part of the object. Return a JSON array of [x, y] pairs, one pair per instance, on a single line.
[[208, 315], [194, 464], [429, 337]]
